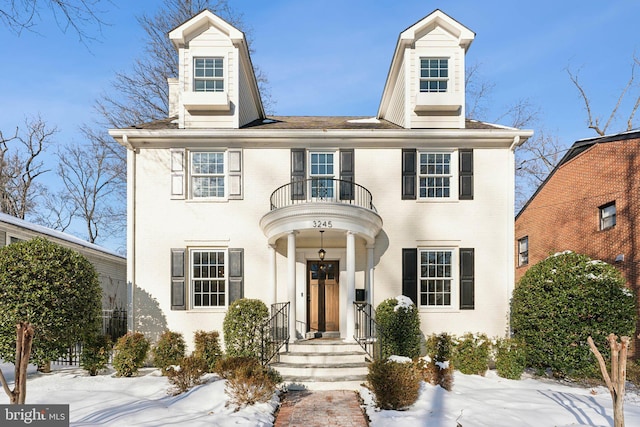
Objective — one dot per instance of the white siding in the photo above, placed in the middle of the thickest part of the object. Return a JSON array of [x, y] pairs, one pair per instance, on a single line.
[[397, 107], [247, 106]]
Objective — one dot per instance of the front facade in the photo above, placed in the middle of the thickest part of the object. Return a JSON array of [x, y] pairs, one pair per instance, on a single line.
[[225, 202], [589, 204]]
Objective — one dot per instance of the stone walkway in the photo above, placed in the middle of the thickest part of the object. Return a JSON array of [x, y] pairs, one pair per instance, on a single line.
[[305, 408]]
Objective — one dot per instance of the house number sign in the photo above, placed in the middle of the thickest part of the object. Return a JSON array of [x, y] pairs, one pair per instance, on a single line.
[[322, 224]]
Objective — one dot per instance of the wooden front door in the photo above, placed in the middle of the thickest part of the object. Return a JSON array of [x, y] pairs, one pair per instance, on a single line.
[[323, 293]]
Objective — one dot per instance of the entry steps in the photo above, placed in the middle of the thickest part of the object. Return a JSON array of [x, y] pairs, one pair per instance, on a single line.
[[323, 364]]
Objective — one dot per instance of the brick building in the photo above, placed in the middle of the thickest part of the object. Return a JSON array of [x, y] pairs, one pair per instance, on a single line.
[[589, 204]]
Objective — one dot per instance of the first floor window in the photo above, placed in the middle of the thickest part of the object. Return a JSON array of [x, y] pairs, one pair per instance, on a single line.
[[207, 174], [435, 175], [523, 251], [607, 215], [208, 278], [435, 278], [208, 75]]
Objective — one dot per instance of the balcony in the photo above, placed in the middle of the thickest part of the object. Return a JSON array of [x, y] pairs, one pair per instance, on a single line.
[[321, 203]]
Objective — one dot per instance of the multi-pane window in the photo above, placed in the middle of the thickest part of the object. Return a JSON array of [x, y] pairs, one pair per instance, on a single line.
[[523, 251], [435, 175], [434, 74], [208, 75], [607, 215], [208, 280], [207, 174], [322, 174], [435, 278]]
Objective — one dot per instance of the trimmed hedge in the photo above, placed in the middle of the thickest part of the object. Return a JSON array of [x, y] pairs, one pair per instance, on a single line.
[[399, 325], [243, 328]]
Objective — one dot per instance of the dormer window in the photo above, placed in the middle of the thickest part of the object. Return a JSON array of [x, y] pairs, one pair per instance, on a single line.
[[434, 74], [208, 75]]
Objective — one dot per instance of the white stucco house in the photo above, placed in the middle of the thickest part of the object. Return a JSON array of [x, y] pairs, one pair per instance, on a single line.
[[226, 202]]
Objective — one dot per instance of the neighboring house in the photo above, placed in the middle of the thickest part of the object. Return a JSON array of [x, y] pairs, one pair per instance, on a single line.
[[225, 202], [588, 204], [111, 267]]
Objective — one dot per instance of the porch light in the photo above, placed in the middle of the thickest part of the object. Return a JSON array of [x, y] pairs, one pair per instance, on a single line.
[[321, 252]]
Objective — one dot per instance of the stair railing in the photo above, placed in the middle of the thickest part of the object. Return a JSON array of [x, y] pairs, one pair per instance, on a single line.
[[367, 331], [276, 332]]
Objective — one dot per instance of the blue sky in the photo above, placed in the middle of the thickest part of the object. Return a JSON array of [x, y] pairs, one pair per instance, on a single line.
[[331, 57]]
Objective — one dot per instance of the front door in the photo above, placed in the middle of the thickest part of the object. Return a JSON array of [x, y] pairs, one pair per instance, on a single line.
[[323, 292]]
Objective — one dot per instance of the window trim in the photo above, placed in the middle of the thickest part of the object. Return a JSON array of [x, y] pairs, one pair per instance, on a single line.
[[602, 218], [224, 174], [523, 256], [439, 79], [453, 176], [454, 293], [191, 279], [209, 78]]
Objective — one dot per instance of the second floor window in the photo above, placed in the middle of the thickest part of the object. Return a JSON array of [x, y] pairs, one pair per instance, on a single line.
[[207, 174], [434, 74], [607, 215], [435, 175], [523, 251], [322, 172], [208, 75]]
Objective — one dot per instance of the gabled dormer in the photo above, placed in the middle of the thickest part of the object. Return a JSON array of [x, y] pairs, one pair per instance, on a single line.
[[216, 85], [425, 87]]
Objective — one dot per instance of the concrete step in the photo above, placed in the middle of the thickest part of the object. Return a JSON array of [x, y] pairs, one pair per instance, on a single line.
[[321, 370], [301, 383], [324, 346], [322, 358]]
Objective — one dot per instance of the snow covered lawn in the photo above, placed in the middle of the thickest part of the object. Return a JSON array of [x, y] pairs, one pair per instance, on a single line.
[[106, 400]]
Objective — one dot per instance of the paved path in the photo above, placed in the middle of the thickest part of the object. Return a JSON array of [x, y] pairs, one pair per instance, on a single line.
[[321, 409]]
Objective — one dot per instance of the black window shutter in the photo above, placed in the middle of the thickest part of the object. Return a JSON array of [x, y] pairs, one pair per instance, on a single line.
[[298, 174], [346, 174], [467, 293], [408, 174], [410, 274], [236, 273], [466, 174], [178, 290]]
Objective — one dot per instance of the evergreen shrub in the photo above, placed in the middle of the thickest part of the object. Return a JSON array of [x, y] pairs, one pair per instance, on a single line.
[[471, 354], [438, 367], [243, 328], [248, 382], [187, 374], [395, 384], [95, 353], [563, 300], [130, 353], [510, 357], [207, 348], [169, 350], [399, 327]]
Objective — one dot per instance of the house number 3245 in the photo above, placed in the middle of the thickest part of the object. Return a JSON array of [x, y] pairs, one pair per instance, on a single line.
[[322, 224]]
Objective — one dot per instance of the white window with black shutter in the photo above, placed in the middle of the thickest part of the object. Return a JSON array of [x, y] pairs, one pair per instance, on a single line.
[[322, 174], [437, 175], [214, 277], [434, 278]]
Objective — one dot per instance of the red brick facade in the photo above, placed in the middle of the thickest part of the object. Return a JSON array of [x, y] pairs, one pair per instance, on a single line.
[[565, 212]]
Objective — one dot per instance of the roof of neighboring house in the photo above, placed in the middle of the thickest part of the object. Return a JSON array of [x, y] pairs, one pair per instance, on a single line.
[[311, 122], [579, 147], [39, 229]]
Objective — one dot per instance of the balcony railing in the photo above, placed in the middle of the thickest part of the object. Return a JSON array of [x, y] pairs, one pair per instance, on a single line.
[[321, 190]]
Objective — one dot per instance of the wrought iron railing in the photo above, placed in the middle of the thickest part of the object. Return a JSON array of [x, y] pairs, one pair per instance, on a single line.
[[276, 332], [319, 190], [367, 331]]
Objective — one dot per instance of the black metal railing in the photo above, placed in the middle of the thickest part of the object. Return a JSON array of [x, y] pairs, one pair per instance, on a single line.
[[367, 331], [276, 332], [319, 190]]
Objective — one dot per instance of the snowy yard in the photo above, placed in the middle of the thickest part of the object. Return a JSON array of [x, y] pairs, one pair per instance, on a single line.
[[106, 400]]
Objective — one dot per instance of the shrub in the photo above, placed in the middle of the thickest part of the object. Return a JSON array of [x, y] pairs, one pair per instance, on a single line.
[[250, 382], [208, 348], [438, 369], [130, 352], [187, 374], [471, 354], [169, 350], [511, 359], [395, 383], [95, 354], [563, 300], [399, 327], [243, 327], [225, 367]]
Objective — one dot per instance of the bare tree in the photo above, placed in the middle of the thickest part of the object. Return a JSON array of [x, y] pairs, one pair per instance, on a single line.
[[19, 15], [594, 121], [21, 164]]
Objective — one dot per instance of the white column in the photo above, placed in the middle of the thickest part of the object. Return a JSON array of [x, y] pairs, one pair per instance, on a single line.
[[291, 284], [273, 274], [351, 284], [369, 279]]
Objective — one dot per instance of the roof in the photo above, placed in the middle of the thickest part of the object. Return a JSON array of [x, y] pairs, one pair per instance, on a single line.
[[311, 122], [39, 229], [579, 147]]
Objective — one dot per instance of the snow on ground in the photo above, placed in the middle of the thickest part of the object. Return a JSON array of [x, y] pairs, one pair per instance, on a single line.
[[106, 400]]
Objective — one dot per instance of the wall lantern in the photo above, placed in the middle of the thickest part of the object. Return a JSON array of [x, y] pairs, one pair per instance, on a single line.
[[321, 252]]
